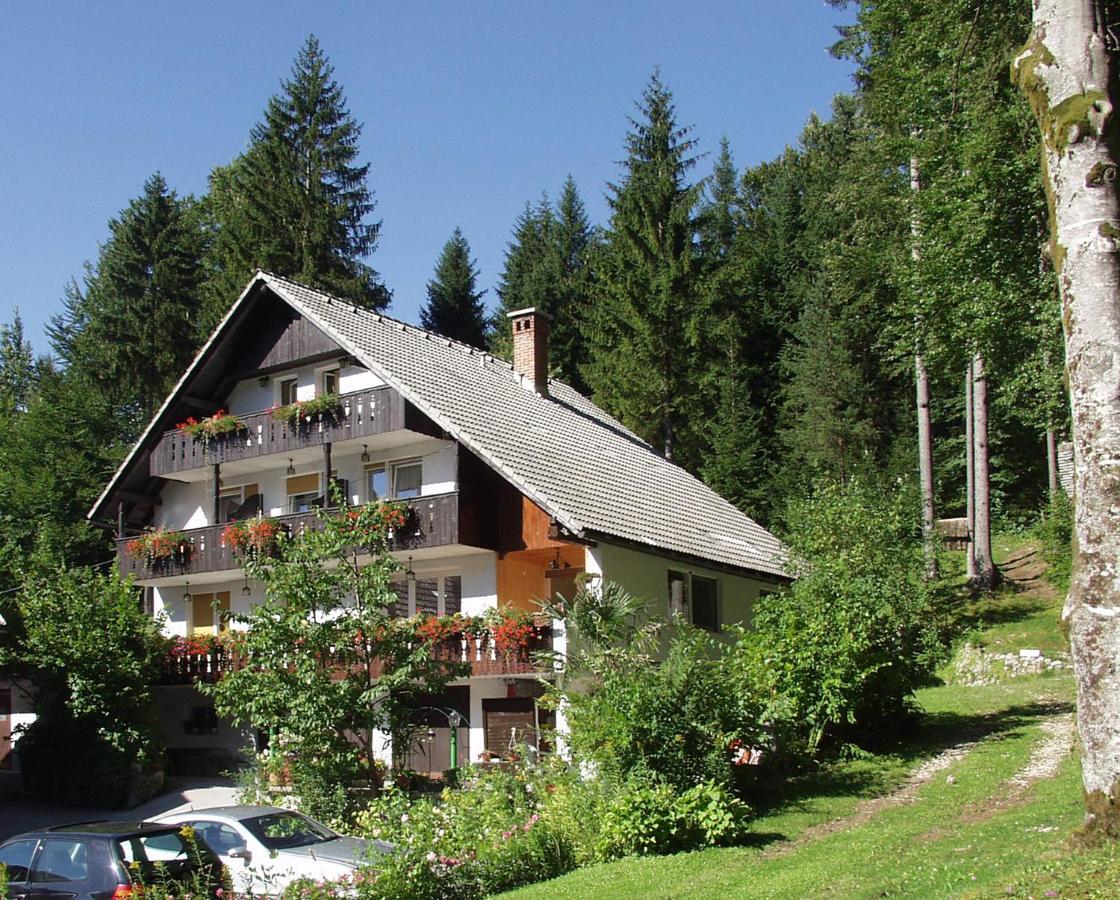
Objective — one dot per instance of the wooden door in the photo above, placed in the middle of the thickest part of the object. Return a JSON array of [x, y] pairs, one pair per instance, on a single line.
[[5, 728], [208, 613]]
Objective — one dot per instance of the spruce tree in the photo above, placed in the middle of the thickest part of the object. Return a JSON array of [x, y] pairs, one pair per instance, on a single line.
[[454, 308], [16, 369], [547, 268], [296, 203], [135, 327], [649, 311]]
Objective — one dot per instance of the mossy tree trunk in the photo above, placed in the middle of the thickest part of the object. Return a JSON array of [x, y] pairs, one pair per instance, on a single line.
[[1068, 71], [969, 475]]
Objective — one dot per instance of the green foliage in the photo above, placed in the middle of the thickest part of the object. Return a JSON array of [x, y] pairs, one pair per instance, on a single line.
[[1055, 531], [546, 267], [3, 882], [633, 715], [296, 203], [650, 818], [326, 663], [454, 308], [91, 655], [136, 325], [839, 654], [644, 325]]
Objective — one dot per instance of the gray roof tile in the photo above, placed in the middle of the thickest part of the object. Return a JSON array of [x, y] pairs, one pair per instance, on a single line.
[[581, 465]]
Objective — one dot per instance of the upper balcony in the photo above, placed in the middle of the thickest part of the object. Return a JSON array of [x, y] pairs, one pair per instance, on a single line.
[[362, 414], [434, 522]]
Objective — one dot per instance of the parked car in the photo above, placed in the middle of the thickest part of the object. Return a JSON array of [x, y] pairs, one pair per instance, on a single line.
[[103, 861], [265, 848]]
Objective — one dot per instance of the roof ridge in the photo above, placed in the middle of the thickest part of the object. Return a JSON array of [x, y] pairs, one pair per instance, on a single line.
[[462, 346]]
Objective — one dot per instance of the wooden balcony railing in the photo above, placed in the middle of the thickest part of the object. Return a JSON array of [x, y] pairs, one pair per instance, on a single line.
[[434, 523], [363, 414], [479, 651]]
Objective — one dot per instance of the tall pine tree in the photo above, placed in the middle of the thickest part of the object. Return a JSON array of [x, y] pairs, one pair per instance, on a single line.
[[136, 326], [454, 308], [547, 268], [296, 202], [649, 311]]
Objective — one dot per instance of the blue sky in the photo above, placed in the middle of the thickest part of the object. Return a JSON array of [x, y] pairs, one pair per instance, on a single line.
[[470, 110]]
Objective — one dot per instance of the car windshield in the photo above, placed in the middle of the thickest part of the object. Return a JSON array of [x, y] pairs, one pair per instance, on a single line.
[[278, 831]]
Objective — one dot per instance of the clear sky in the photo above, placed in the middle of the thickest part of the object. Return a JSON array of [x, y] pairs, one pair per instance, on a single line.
[[470, 109]]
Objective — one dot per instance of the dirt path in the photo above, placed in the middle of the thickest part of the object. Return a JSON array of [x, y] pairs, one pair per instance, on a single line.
[[906, 793]]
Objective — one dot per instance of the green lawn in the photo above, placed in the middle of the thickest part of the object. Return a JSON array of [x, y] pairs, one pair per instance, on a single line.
[[968, 835]]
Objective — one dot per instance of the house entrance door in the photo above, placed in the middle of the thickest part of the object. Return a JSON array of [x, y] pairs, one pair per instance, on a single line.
[[5, 728]]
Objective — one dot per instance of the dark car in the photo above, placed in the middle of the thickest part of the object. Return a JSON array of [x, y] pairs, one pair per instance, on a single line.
[[104, 860]]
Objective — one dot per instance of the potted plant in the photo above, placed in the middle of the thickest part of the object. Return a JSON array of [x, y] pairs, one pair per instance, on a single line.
[[256, 536], [161, 547], [326, 406], [212, 427]]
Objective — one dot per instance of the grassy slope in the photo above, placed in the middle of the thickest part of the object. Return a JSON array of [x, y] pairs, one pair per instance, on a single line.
[[959, 838]]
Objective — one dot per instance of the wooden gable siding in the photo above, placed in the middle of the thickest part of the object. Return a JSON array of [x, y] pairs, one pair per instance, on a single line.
[[283, 344]]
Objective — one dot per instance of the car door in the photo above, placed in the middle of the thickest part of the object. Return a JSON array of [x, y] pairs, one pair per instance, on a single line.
[[250, 873], [16, 856], [62, 869]]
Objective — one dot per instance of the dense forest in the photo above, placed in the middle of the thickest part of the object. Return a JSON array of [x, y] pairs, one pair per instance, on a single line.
[[878, 294]]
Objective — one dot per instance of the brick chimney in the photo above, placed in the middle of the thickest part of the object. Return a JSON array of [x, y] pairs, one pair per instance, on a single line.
[[530, 347]]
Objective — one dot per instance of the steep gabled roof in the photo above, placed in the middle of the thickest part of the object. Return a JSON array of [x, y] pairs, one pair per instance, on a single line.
[[580, 465]]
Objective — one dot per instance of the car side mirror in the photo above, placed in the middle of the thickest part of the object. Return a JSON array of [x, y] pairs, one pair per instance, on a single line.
[[241, 853]]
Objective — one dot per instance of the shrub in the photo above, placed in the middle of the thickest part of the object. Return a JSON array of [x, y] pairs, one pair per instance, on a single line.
[[671, 720], [841, 652], [1055, 532]]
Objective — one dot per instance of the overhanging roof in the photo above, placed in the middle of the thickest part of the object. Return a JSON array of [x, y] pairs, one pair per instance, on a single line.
[[585, 469]]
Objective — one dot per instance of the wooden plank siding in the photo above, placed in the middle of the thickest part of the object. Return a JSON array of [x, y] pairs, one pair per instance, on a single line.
[[364, 413], [436, 525]]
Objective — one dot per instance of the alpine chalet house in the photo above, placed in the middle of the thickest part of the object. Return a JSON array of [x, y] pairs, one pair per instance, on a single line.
[[516, 483]]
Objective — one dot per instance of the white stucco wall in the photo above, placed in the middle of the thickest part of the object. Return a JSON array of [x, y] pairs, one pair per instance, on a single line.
[[21, 713], [250, 396], [646, 575]]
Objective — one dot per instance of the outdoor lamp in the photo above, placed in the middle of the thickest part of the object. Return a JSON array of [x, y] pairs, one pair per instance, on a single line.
[[365, 454], [187, 593], [409, 575], [291, 468]]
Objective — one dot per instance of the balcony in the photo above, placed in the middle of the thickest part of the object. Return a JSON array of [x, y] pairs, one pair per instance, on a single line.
[[479, 651], [434, 523], [364, 414]]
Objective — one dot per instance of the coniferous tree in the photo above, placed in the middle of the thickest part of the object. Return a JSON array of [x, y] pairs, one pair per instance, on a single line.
[[454, 308], [649, 311], [531, 271], [16, 369], [136, 326], [547, 268], [296, 202]]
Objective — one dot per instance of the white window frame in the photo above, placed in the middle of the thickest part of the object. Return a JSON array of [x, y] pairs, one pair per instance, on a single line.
[[396, 465], [280, 382], [321, 376]]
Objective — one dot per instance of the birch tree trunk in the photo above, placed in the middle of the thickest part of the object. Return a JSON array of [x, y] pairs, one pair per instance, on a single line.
[[969, 475], [986, 574], [1052, 461], [1068, 72], [921, 385]]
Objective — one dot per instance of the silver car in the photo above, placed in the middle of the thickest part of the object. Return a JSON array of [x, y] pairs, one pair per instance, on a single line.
[[266, 848]]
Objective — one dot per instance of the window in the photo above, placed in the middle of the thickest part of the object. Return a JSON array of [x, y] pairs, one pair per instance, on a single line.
[[407, 479], [229, 502], [329, 381], [377, 483], [705, 603], [288, 388], [62, 860], [218, 836], [16, 856], [160, 847], [678, 594], [303, 492], [209, 613]]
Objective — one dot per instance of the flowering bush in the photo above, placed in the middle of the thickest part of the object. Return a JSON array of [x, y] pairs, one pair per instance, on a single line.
[[161, 546], [327, 406], [211, 427], [373, 523], [204, 644], [256, 535], [512, 633]]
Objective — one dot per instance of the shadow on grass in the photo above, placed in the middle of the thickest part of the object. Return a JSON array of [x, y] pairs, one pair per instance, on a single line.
[[875, 775]]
